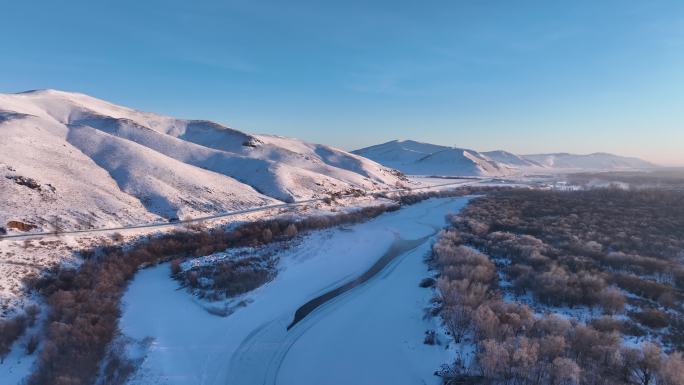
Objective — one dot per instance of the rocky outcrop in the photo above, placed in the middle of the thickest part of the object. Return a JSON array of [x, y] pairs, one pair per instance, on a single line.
[[21, 226], [24, 181]]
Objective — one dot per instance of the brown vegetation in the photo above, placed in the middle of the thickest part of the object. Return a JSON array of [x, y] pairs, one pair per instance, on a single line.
[[21, 226], [10, 330], [579, 248], [565, 248], [228, 278]]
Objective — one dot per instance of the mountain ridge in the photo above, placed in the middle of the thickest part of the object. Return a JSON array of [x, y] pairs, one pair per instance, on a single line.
[[411, 157]]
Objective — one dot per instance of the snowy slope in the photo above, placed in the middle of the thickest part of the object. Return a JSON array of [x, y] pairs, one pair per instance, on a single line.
[[399, 152], [418, 158], [98, 163], [511, 159], [71, 184], [165, 186]]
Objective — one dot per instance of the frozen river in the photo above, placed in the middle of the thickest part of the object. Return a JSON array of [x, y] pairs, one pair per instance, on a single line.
[[362, 321]]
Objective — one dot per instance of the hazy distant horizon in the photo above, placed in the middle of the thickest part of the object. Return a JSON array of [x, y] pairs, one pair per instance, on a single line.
[[525, 77], [486, 149]]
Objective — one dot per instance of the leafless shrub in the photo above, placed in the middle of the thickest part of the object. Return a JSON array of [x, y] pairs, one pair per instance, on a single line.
[[267, 235], [430, 338], [651, 318], [10, 331], [32, 312], [569, 248], [672, 370], [290, 230], [176, 266], [612, 300], [32, 344]]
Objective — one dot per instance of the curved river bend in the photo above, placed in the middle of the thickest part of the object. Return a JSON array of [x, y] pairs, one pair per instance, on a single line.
[[345, 308]]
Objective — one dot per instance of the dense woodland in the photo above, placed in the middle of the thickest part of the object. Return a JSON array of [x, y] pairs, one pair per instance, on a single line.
[[613, 252]]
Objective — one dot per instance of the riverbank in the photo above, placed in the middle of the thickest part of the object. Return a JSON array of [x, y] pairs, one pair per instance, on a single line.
[[189, 345]]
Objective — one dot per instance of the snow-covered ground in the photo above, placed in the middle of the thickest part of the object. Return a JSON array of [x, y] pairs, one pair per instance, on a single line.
[[18, 364], [20, 258], [375, 331], [374, 335]]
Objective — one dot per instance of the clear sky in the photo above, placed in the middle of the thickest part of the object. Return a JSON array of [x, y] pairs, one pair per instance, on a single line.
[[525, 76]]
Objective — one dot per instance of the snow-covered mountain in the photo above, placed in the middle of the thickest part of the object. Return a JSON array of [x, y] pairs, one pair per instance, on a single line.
[[91, 162], [511, 159], [418, 158], [596, 161]]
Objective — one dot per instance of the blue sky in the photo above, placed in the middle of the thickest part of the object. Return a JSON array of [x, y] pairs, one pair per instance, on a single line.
[[525, 76]]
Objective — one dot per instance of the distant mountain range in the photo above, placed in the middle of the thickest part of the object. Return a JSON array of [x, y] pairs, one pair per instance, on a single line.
[[91, 162], [417, 158]]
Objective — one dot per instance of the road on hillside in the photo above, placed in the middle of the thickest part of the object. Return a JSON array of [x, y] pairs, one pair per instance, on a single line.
[[184, 222]]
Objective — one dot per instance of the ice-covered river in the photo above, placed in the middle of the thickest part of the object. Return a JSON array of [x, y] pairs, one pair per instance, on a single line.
[[369, 333]]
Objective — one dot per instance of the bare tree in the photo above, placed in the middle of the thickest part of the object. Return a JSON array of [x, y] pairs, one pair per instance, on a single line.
[[644, 363], [266, 235], [56, 225], [672, 370], [457, 319], [612, 300], [290, 230], [565, 371]]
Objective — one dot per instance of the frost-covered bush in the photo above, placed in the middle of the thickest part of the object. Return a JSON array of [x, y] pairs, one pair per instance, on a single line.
[[10, 330], [583, 248], [612, 250]]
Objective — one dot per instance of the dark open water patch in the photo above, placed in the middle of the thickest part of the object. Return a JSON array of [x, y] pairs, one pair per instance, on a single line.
[[397, 248]]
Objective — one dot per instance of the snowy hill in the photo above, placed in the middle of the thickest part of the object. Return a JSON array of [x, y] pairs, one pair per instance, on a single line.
[[511, 159], [90, 162], [418, 158]]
